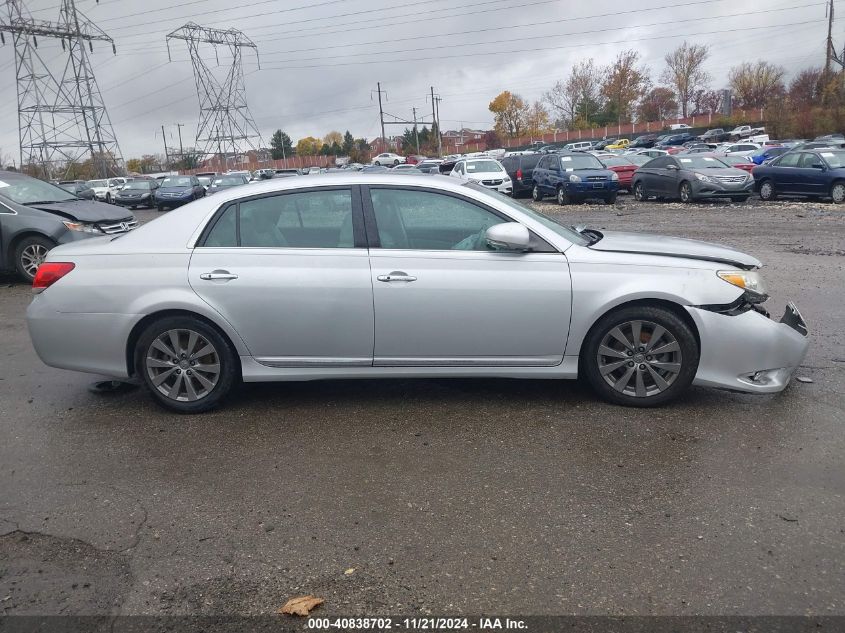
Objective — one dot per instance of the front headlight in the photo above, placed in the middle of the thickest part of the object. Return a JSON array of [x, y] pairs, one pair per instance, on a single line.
[[507, 179], [704, 178], [750, 281], [574, 178], [81, 227], [614, 175]]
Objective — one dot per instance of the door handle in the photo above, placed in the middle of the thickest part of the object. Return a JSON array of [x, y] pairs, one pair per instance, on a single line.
[[396, 275], [218, 275]]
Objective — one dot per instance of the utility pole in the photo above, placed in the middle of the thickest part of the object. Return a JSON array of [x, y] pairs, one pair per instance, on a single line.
[[379, 91], [166, 157], [179, 127], [435, 117], [829, 51], [416, 136]]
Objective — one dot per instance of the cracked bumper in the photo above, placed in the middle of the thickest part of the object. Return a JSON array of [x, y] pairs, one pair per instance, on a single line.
[[749, 352]]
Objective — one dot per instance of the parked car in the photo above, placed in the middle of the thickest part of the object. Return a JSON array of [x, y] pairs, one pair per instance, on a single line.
[[407, 168], [836, 137], [744, 131], [580, 146], [284, 281], [767, 154], [651, 153], [740, 162], [716, 135], [369, 169], [226, 181], [178, 190], [621, 143], [675, 140], [680, 126], [644, 141], [105, 190], [79, 188], [35, 216], [388, 158], [820, 145], [205, 181], [691, 178], [624, 168], [573, 177], [602, 144], [814, 174], [739, 149], [296, 172], [414, 159], [521, 171], [138, 193], [486, 172], [430, 166], [263, 174]]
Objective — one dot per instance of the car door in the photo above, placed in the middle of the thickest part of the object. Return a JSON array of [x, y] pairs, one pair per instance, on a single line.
[[812, 174], [290, 272], [199, 192], [541, 174], [442, 298], [656, 176], [784, 173]]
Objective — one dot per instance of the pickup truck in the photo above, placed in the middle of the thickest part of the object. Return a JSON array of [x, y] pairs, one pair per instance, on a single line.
[[744, 131], [716, 135]]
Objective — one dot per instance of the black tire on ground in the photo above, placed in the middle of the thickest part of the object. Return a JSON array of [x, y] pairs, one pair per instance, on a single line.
[[108, 198], [29, 253], [222, 355], [395, 162], [562, 197], [767, 191], [536, 194], [685, 192], [611, 199], [640, 194], [676, 327]]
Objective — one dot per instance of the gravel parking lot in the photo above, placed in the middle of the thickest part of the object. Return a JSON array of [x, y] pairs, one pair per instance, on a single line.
[[444, 497]]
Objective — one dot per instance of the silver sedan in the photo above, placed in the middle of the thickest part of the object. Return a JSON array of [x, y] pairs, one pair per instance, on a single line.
[[383, 276]]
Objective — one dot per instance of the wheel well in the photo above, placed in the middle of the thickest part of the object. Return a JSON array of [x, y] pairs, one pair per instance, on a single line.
[[141, 325], [13, 245], [676, 309]]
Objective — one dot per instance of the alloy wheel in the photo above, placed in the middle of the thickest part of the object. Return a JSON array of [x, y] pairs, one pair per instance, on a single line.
[[639, 358], [535, 194], [639, 192], [32, 257], [183, 365], [767, 191], [686, 192], [838, 193], [562, 198]]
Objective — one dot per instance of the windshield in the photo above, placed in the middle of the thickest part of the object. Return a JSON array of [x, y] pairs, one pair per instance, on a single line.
[[204, 180], [615, 161], [480, 166], [583, 161], [31, 190], [97, 183], [551, 223], [834, 159], [639, 159], [228, 181], [138, 184], [176, 181], [701, 162]]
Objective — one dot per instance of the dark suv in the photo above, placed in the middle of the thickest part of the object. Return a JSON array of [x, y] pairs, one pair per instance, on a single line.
[[521, 168], [573, 177]]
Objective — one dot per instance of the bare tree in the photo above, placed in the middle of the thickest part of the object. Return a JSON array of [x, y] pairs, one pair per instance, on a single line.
[[807, 87], [657, 105], [685, 72], [756, 85], [706, 101], [624, 84], [572, 99]]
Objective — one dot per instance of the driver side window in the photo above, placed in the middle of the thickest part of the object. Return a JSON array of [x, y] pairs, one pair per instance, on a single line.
[[424, 220]]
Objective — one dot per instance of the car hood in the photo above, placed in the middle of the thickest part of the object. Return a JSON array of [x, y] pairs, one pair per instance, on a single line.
[[132, 192], [721, 171], [651, 244], [487, 175], [174, 189], [83, 210]]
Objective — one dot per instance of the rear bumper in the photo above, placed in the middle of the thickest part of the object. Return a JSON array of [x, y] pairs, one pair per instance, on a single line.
[[749, 352]]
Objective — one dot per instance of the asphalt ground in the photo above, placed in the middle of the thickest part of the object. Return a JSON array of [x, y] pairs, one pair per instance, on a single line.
[[443, 496]]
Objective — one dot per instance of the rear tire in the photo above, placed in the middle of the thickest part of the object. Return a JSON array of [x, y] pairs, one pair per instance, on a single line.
[[767, 191], [186, 364], [837, 192], [625, 373], [639, 192], [536, 194], [30, 254]]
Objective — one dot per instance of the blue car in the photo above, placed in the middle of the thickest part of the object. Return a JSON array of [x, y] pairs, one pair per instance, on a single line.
[[178, 190], [572, 177], [812, 173], [767, 153]]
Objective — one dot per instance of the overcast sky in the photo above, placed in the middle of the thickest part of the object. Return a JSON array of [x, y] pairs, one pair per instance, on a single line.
[[321, 59]]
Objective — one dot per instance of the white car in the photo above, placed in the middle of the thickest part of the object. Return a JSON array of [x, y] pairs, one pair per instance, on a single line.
[[739, 149], [487, 172], [388, 159], [680, 126], [106, 190]]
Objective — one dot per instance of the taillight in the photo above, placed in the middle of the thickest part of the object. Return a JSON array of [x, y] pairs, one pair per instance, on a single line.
[[49, 273], [519, 174]]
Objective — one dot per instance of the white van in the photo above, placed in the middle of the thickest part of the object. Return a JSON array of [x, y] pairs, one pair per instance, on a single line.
[[578, 146]]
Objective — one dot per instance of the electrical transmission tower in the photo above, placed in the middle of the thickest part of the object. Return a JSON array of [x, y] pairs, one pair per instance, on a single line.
[[226, 127], [62, 117]]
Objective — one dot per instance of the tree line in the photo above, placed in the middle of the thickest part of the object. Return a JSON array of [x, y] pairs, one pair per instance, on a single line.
[[593, 96]]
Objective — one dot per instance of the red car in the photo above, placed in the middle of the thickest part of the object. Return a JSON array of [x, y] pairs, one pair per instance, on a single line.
[[625, 166], [414, 159], [675, 149]]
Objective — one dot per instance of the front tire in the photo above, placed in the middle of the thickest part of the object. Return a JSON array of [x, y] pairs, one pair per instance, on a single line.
[[640, 356], [837, 192], [639, 192], [395, 162], [30, 253], [767, 191], [562, 197], [536, 194], [186, 364], [685, 193], [108, 198]]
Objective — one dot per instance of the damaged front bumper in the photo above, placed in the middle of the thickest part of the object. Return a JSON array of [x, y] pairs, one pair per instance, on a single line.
[[745, 350]]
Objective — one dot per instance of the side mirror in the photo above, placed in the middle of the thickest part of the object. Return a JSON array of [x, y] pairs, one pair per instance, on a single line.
[[818, 166], [510, 236]]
